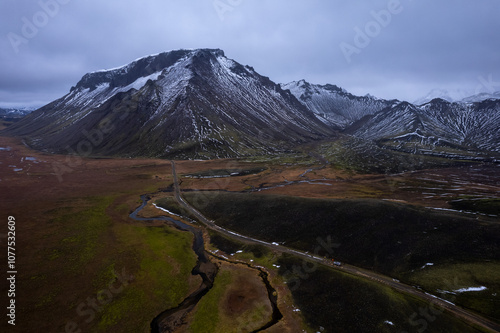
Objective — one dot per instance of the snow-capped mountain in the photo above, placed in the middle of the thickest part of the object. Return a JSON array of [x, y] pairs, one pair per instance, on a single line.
[[453, 95], [186, 103], [466, 126], [15, 112], [333, 105], [481, 97], [456, 95], [200, 104]]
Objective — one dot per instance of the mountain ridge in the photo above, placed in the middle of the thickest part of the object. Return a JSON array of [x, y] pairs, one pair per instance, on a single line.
[[15, 112], [457, 95], [201, 104], [334, 105], [438, 123], [186, 104]]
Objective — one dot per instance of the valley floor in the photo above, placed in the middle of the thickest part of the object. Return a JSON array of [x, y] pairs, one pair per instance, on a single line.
[[84, 264]]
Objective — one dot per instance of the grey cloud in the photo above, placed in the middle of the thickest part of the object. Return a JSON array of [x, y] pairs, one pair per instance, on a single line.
[[428, 44]]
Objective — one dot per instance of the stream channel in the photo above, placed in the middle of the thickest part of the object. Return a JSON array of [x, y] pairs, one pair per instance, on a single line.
[[170, 319]]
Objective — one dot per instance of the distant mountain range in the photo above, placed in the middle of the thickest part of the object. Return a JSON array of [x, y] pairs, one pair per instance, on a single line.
[[457, 95], [471, 124], [200, 104], [463, 126], [15, 112]]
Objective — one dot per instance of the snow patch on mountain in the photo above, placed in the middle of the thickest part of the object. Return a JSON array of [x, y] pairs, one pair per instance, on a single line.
[[140, 82], [124, 67]]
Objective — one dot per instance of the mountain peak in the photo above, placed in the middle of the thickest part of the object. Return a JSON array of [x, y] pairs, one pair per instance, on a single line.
[[334, 105], [184, 103], [200, 104], [215, 52], [140, 68]]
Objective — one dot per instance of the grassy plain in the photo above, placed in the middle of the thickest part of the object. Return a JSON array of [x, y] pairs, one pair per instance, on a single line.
[[82, 263], [238, 302]]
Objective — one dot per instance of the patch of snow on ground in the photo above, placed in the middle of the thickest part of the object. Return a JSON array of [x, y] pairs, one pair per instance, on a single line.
[[428, 264], [165, 210], [465, 290]]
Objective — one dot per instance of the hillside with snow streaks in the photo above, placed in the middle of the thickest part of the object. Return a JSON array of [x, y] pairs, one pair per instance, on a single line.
[[201, 104], [333, 105], [469, 126], [185, 104]]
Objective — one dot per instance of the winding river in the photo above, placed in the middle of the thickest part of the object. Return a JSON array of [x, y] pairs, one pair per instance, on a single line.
[[170, 319]]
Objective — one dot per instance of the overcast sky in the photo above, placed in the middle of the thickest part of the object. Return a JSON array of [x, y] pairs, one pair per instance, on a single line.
[[387, 48]]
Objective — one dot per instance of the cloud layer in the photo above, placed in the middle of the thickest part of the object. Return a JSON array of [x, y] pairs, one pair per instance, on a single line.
[[388, 48]]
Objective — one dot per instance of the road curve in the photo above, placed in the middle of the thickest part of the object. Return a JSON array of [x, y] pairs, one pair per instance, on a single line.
[[370, 275]]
